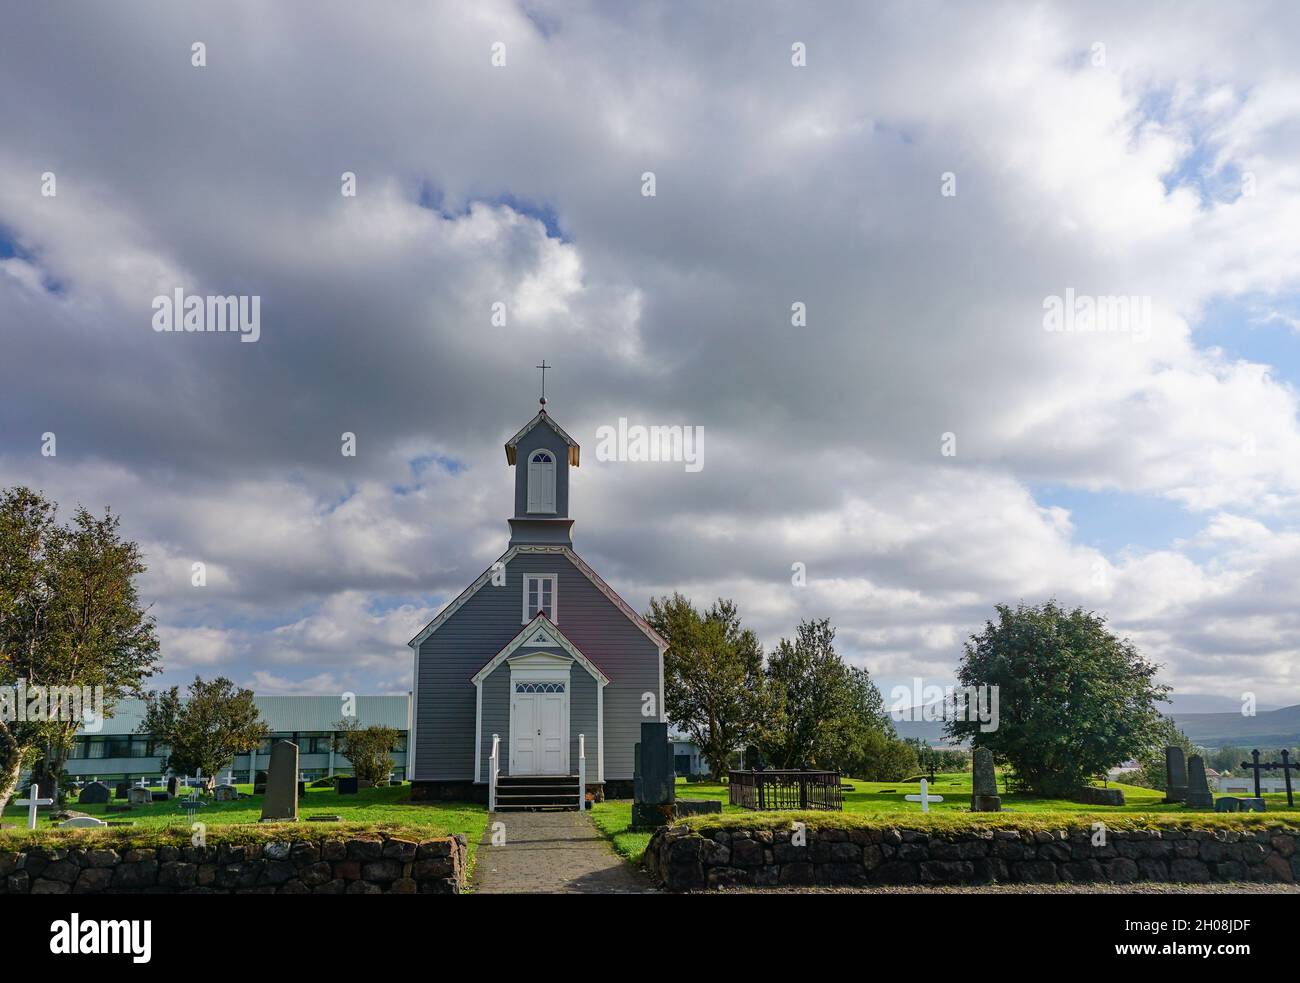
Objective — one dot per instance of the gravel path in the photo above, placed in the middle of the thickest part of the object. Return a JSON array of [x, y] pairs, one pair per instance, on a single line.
[[552, 852]]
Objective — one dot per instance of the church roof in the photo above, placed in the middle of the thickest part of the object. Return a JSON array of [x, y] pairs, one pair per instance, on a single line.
[[541, 416]]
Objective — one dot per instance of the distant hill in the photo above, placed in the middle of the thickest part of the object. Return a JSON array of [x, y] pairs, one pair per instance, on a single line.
[[930, 731], [1277, 728], [1273, 728]]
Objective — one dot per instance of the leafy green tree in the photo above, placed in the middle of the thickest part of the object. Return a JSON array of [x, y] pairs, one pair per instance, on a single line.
[[1227, 760], [368, 748], [206, 729], [883, 757], [822, 708], [1074, 699], [714, 690], [70, 618]]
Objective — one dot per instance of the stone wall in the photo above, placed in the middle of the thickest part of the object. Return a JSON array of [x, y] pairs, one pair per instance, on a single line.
[[683, 859], [357, 864]]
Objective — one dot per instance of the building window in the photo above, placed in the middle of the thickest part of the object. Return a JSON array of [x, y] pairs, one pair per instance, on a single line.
[[540, 594], [539, 687], [541, 481]]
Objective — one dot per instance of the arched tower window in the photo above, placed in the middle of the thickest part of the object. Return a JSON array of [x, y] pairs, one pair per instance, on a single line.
[[541, 481]]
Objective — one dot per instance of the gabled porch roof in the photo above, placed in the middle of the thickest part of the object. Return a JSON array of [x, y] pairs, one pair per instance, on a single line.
[[540, 632]]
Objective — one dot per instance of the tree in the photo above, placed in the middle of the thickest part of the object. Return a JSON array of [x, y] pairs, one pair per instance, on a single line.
[[71, 624], [823, 709], [1151, 773], [1074, 699], [206, 729], [883, 757], [368, 749], [714, 689]]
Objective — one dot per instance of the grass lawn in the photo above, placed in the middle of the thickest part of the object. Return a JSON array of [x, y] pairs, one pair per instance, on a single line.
[[387, 806], [886, 800]]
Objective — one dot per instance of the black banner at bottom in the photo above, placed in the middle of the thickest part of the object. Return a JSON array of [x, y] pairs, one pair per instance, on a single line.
[[1218, 929]]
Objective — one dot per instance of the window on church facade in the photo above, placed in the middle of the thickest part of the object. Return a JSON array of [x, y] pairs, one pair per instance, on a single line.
[[541, 481], [540, 595]]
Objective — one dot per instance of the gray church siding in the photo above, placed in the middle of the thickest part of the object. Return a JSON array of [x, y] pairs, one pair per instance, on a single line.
[[485, 624], [582, 719], [496, 718]]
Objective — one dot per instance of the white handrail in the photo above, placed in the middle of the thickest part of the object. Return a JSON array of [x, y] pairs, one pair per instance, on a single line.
[[582, 772], [494, 766]]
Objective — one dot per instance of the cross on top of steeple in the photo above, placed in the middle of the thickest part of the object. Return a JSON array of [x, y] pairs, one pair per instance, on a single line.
[[543, 367]]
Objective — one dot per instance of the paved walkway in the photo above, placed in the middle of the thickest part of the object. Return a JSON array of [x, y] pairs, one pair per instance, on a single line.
[[552, 852]]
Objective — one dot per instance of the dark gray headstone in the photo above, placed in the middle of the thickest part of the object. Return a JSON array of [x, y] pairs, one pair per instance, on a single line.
[[139, 796], [654, 782], [173, 786], [281, 801], [96, 793], [1252, 804], [1199, 795], [1227, 803], [1175, 775], [984, 782], [346, 785]]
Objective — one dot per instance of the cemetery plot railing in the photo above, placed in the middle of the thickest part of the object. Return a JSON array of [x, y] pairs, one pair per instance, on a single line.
[[494, 767], [770, 790]]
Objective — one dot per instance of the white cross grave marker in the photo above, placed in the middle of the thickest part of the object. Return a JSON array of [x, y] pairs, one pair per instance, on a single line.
[[925, 798], [230, 777], [31, 802], [141, 783]]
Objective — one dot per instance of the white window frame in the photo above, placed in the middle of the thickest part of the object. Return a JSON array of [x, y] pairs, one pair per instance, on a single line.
[[554, 612], [538, 496]]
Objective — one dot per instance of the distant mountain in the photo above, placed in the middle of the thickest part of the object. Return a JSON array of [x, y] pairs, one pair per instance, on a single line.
[[1275, 728], [930, 731], [1271, 728]]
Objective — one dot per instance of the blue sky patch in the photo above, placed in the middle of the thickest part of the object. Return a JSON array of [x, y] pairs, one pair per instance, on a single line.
[[1255, 329], [430, 196], [1112, 521]]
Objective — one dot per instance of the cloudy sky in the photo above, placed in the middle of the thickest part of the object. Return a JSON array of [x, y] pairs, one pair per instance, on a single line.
[[1120, 150]]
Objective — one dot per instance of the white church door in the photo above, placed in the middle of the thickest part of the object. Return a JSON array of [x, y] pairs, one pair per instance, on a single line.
[[539, 728]]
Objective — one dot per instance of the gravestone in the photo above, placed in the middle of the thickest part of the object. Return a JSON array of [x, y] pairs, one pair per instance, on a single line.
[[225, 793], [1227, 803], [96, 793], [138, 795], [925, 798], [1199, 795], [281, 801], [173, 784], [1175, 775], [1094, 796], [984, 782], [654, 779], [346, 785], [122, 789], [1252, 805], [82, 822]]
